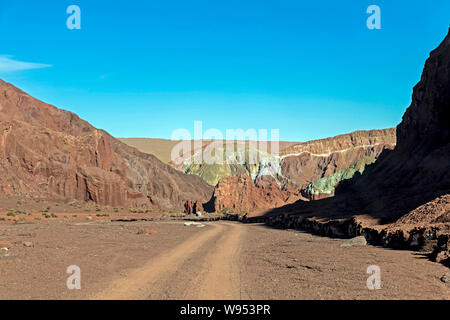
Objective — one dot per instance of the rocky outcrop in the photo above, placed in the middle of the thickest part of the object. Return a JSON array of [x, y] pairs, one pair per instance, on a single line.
[[192, 207], [240, 195], [441, 252], [50, 153], [417, 237]]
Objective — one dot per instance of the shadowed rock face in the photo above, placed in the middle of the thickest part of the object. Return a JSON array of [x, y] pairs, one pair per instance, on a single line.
[[417, 171], [52, 153], [403, 199]]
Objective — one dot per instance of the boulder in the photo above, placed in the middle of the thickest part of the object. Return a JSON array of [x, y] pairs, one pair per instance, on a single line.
[[355, 242]]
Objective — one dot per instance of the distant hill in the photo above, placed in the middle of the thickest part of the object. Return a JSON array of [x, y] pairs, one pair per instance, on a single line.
[[161, 148]]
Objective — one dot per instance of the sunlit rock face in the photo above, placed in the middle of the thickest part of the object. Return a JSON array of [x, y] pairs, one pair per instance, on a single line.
[[52, 153]]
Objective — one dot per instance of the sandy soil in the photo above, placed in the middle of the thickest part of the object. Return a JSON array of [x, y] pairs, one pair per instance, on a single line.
[[223, 260]]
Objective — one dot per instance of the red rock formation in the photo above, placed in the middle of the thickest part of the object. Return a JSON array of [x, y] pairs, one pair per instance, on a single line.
[[192, 207], [239, 194], [52, 153]]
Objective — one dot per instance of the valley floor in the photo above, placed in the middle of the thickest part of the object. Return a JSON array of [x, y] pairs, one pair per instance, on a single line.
[[223, 260]]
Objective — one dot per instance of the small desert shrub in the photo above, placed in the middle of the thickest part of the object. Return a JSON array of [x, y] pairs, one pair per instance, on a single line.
[[11, 214], [102, 215]]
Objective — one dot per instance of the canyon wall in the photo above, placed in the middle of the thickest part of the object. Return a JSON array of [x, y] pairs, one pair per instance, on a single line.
[[51, 153], [402, 200]]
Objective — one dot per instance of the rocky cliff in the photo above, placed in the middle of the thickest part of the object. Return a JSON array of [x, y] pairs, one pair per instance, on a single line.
[[418, 169], [52, 153], [305, 162], [402, 199]]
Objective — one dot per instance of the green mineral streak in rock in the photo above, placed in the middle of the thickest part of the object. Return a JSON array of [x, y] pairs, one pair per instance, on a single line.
[[240, 161], [212, 173], [326, 185]]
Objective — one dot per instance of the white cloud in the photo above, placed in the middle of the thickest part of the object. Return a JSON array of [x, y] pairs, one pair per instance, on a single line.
[[8, 64]]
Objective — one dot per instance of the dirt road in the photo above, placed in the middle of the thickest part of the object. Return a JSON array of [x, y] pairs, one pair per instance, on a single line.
[[216, 257], [223, 260]]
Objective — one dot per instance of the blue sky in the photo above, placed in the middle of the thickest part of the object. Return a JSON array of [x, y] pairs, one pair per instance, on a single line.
[[311, 69]]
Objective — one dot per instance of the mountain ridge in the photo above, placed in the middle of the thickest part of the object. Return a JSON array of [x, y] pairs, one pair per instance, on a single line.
[[50, 152]]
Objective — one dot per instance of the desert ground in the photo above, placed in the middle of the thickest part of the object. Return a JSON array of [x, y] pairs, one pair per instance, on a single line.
[[221, 260]]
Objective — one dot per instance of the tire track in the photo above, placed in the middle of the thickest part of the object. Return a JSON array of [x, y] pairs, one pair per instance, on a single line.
[[138, 283], [220, 278]]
